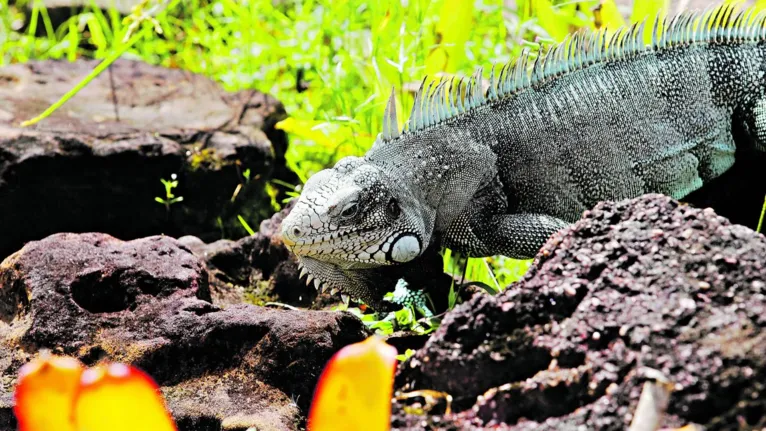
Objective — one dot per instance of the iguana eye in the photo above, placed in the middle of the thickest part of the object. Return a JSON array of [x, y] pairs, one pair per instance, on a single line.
[[393, 209], [349, 210]]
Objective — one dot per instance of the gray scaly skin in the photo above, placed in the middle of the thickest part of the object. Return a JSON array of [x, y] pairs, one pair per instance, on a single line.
[[498, 172]]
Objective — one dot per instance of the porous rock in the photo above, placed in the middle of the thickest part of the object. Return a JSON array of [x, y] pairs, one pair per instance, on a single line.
[[96, 164], [635, 287], [147, 302], [257, 269]]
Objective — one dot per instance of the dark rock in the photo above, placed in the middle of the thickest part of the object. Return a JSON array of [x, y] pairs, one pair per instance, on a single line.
[[146, 302], [96, 163], [634, 286], [256, 269]]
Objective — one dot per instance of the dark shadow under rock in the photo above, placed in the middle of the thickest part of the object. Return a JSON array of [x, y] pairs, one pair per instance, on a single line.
[[638, 285], [738, 193], [96, 163], [146, 302]]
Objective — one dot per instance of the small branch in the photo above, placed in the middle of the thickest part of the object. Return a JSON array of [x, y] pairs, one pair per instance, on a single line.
[[114, 96]]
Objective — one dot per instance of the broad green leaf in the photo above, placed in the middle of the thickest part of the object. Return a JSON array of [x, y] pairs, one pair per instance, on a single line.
[[328, 135], [550, 19], [404, 317]]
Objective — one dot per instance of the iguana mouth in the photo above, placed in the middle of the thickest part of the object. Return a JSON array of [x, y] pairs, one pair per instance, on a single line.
[[340, 234], [326, 276], [321, 275], [311, 279], [331, 247]]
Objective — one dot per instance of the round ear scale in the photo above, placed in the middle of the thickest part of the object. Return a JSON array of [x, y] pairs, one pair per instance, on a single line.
[[405, 248]]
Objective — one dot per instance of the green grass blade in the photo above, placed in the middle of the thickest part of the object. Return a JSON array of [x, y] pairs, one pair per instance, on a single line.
[[33, 22], [50, 33], [92, 75], [244, 224], [73, 39]]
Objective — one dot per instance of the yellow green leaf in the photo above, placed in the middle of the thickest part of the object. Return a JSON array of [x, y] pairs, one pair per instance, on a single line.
[[608, 16], [648, 9], [553, 21], [452, 31], [326, 134]]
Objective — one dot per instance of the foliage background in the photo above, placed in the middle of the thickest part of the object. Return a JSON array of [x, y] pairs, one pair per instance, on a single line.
[[331, 62]]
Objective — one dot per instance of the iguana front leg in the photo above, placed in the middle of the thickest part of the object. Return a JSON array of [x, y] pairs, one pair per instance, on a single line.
[[519, 236], [485, 228]]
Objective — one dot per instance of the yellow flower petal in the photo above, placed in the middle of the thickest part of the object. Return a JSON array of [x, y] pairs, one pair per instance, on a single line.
[[117, 397], [45, 393], [355, 388]]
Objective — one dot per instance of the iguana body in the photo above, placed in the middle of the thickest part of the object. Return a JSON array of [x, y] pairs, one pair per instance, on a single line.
[[499, 172]]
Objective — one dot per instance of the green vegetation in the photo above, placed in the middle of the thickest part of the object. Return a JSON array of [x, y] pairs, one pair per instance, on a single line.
[[169, 198], [331, 62], [401, 320], [245, 225]]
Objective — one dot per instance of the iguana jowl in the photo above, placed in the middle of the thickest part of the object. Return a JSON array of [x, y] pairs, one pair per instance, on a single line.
[[598, 117]]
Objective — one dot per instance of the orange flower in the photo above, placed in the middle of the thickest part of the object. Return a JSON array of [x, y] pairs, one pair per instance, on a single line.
[[117, 397], [45, 393], [54, 392], [355, 388], [58, 393]]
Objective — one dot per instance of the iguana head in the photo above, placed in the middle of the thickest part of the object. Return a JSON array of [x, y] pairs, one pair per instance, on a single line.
[[382, 209], [356, 216]]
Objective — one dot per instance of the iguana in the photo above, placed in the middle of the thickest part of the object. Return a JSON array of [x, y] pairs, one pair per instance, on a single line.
[[600, 116]]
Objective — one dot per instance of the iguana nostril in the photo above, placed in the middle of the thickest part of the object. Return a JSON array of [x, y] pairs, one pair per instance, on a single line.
[[296, 232]]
